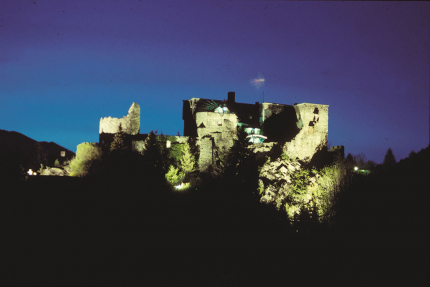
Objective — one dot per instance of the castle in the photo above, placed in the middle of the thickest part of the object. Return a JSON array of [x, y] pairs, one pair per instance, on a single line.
[[300, 129]]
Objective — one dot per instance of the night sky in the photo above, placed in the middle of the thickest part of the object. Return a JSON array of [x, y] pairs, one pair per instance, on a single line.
[[66, 64]]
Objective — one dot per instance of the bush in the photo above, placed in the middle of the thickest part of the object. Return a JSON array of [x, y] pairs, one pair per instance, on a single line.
[[173, 176], [86, 154]]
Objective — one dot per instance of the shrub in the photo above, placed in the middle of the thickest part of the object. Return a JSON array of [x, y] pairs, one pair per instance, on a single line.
[[173, 176], [86, 153]]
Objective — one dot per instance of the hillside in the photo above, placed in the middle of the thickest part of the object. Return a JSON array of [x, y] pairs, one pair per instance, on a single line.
[[28, 152]]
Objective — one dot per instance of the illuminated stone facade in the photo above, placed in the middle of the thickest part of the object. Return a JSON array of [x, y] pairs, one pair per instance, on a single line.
[[130, 124], [300, 129]]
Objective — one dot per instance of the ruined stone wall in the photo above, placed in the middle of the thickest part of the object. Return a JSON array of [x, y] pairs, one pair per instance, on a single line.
[[312, 136], [216, 133], [130, 124], [269, 109]]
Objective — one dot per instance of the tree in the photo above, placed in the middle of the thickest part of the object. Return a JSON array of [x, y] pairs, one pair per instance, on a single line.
[[153, 157], [86, 154], [360, 160], [195, 151], [37, 157], [188, 160], [173, 176], [349, 158], [118, 142], [389, 159]]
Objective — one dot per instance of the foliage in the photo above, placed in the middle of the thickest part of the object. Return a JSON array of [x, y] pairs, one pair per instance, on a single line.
[[86, 154], [310, 194], [40, 170], [37, 156], [154, 157], [118, 142], [161, 142], [195, 151], [188, 161], [175, 152], [238, 155], [330, 182], [389, 159], [57, 163], [285, 157], [174, 176], [358, 161]]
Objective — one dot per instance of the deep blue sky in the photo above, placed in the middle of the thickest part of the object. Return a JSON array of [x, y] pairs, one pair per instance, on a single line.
[[65, 64]]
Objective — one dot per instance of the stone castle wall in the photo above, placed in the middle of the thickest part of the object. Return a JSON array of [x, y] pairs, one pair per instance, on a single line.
[[130, 124], [216, 133], [312, 136]]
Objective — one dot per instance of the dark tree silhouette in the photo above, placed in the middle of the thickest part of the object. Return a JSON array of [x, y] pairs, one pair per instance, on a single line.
[[349, 158], [118, 142], [389, 159], [154, 157]]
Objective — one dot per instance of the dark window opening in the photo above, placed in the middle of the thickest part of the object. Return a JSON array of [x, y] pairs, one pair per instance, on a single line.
[[316, 111], [311, 123]]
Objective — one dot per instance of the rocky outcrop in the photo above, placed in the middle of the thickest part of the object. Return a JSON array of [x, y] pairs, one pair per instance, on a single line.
[[54, 171], [286, 185], [275, 180], [130, 124], [261, 147]]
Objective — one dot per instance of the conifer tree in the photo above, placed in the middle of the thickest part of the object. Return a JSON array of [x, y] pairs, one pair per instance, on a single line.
[[389, 159], [118, 140], [152, 155], [188, 161]]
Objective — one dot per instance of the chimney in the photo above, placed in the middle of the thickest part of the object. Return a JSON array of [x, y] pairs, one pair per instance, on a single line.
[[231, 97]]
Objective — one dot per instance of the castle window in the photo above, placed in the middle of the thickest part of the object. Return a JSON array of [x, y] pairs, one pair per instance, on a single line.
[[316, 111], [63, 153]]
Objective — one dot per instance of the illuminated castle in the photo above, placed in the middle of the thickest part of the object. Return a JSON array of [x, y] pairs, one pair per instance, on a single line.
[[300, 129]]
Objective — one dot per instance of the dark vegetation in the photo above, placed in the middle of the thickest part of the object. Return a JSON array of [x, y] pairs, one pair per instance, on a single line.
[[125, 225], [28, 153]]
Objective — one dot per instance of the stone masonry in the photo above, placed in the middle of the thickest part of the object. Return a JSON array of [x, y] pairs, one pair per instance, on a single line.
[[312, 137], [216, 133], [130, 124]]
